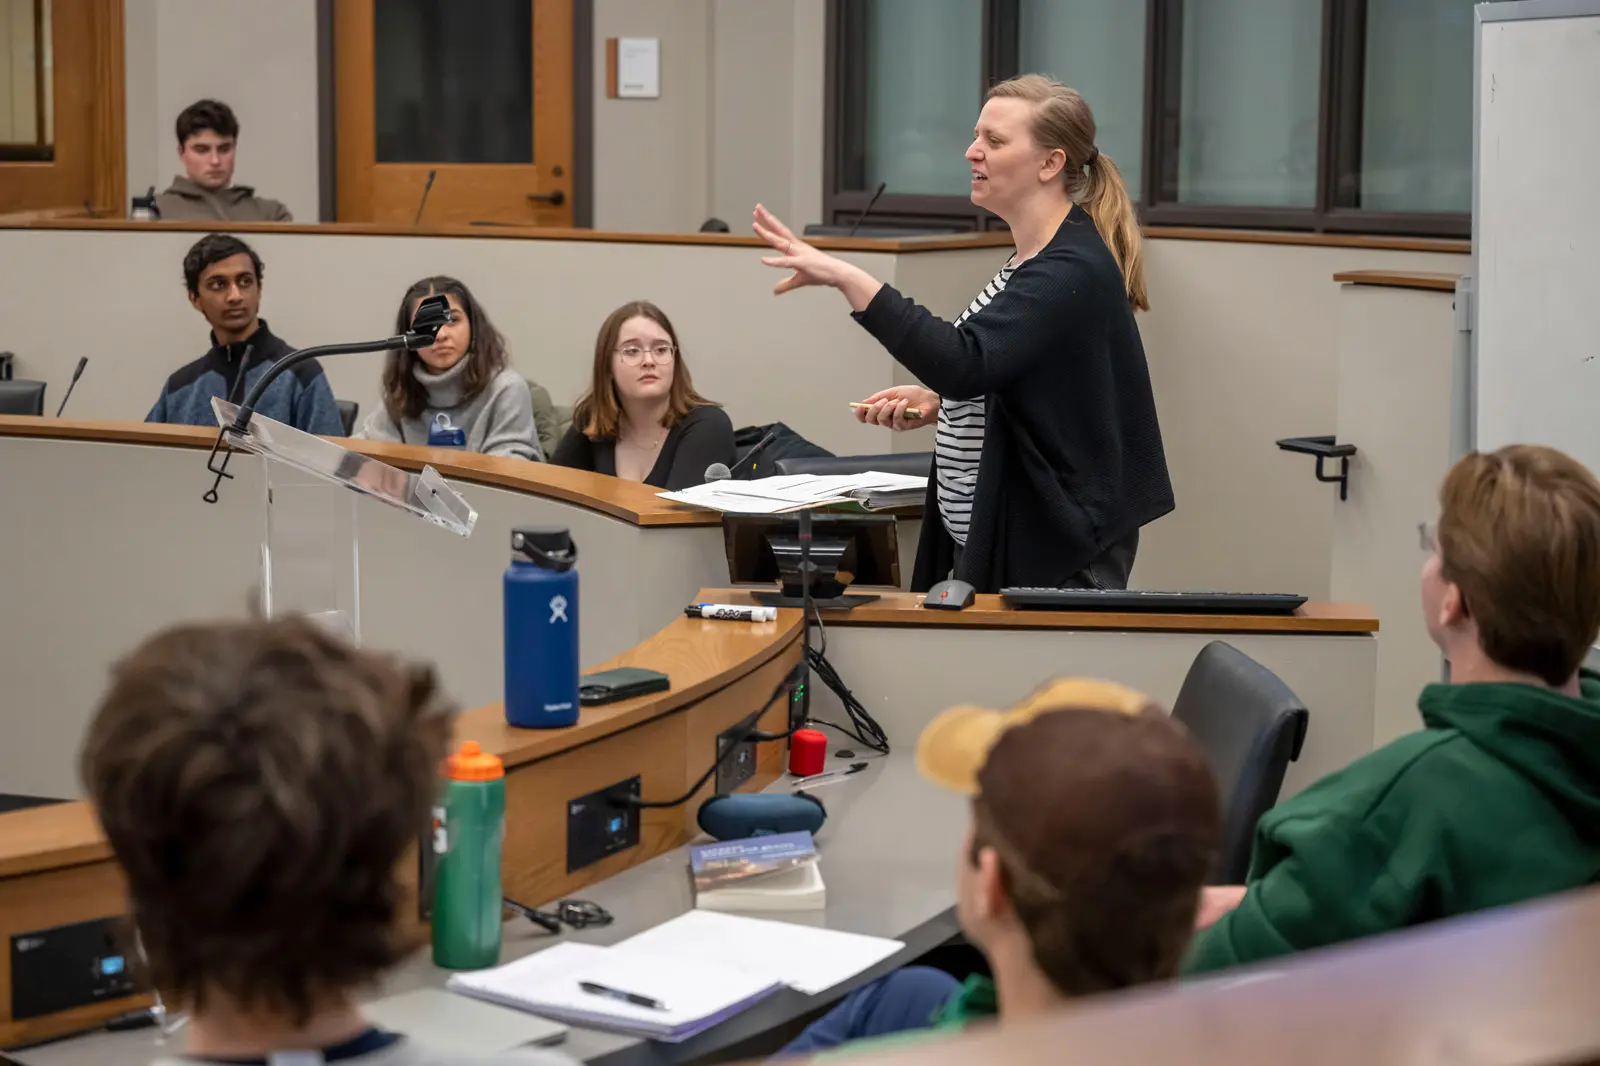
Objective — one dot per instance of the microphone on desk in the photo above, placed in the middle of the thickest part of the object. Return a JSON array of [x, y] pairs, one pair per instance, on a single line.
[[862, 217], [83, 361], [426, 189], [720, 472], [433, 313]]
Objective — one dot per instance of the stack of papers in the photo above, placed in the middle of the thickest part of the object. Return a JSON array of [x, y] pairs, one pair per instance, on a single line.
[[699, 969], [873, 490], [690, 995]]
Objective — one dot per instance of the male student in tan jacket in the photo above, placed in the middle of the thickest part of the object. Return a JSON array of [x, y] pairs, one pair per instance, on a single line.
[[208, 134]]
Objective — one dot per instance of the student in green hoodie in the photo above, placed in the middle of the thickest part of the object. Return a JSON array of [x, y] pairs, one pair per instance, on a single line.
[[1497, 799], [1094, 820]]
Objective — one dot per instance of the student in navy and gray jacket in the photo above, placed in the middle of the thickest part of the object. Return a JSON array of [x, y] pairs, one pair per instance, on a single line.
[[224, 278]]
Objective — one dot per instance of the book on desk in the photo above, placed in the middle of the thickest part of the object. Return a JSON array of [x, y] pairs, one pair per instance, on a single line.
[[779, 872]]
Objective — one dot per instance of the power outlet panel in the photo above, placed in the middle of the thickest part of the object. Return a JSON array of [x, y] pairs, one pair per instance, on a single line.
[[738, 767], [597, 827]]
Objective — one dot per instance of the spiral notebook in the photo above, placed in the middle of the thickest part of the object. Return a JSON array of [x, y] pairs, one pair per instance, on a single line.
[[690, 994]]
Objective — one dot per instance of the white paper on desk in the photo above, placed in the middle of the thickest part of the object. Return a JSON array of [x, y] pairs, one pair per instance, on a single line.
[[775, 495], [696, 991], [806, 958]]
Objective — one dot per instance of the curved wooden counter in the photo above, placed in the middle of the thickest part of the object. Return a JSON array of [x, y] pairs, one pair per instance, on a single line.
[[630, 501], [55, 866]]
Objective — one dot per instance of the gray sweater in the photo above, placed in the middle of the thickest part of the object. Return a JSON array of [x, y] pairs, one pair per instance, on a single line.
[[498, 421]]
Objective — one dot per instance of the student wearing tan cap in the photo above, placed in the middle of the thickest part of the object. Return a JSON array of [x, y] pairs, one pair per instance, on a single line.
[[1094, 822]]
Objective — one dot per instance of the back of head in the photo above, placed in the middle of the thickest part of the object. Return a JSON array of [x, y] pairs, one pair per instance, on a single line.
[[214, 248], [1519, 535], [213, 115], [1062, 121], [259, 783], [1105, 825]]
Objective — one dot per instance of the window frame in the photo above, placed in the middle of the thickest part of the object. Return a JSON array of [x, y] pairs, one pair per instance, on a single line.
[[1339, 134]]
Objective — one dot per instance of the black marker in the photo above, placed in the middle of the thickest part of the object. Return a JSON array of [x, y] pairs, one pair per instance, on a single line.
[[626, 997]]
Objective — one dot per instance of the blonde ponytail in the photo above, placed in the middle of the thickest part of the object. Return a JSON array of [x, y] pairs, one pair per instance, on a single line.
[[1062, 120]]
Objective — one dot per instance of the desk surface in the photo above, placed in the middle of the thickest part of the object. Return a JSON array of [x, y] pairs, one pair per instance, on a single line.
[[990, 611], [888, 858], [630, 501]]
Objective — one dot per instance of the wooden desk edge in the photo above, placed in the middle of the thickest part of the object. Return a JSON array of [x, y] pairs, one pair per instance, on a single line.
[[633, 503], [1399, 279], [67, 834], [989, 611], [908, 245]]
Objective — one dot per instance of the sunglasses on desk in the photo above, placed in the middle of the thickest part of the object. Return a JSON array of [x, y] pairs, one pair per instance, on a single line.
[[576, 913]]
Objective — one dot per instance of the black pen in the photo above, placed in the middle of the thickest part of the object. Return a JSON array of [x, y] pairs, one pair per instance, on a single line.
[[617, 993]]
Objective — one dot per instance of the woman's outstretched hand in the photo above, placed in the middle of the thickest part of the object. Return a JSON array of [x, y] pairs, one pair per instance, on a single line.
[[810, 266]]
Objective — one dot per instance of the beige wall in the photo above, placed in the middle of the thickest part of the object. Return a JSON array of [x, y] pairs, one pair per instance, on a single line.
[[799, 358], [259, 58], [1243, 347], [739, 118], [1395, 348]]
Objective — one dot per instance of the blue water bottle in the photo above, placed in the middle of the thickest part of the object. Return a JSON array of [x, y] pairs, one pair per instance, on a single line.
[[444, 435], [541, 609]]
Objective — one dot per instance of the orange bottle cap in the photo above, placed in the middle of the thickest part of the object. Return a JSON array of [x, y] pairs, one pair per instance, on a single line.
[[471, 764]]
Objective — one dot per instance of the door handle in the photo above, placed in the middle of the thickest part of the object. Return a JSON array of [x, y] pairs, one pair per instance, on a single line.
[[554, 199]]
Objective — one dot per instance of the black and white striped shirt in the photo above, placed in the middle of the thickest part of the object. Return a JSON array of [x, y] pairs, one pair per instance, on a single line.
[[959, 439]]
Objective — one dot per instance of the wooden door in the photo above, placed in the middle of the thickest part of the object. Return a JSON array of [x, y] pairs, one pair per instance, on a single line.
[[478, 94], [61, 93]]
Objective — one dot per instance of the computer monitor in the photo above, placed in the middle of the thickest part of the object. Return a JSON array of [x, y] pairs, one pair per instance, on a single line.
[[848, 550]]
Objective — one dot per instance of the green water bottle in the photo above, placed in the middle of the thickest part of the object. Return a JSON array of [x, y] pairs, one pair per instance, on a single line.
[[469, 828]]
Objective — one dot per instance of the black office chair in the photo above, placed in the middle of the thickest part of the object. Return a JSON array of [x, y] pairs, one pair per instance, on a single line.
[[21, 397], [917, 464], [1251, 726], [348, 409]]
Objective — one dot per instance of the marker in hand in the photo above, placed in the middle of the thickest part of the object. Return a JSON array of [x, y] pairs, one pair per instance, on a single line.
[[911, 412]]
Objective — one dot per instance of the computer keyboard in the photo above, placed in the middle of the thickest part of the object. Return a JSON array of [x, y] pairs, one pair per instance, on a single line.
[[1147, 600]]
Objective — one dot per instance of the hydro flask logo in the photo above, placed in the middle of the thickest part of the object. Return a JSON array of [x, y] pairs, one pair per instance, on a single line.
[[558, 609]]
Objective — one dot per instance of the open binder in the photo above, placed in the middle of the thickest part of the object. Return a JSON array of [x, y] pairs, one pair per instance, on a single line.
[[310, 548]]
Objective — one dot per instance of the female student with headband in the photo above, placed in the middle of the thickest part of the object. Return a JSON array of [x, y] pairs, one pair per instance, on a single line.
[[1048, 457]]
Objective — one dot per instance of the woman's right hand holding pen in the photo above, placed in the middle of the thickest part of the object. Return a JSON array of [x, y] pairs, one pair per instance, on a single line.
[[900, 408]]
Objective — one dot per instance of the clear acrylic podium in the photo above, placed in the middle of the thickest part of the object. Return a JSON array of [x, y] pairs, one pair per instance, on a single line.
[[310, 548]]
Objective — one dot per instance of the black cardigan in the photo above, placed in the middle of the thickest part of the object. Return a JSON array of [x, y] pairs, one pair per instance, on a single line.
[[1072, 460], [701, 437]]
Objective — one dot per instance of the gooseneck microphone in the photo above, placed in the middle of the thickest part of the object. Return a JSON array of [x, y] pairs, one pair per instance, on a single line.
[[83, 361], [720, 471], [426, 189], [433, 313], [862, 217]]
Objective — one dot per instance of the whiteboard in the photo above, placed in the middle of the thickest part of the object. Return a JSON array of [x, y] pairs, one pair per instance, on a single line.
[[1536, 226]]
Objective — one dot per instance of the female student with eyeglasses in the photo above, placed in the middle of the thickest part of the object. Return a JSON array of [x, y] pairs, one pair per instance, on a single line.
[[642, 419]]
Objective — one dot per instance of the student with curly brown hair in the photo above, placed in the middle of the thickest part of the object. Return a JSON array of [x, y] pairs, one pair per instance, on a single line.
[[260, 783]]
